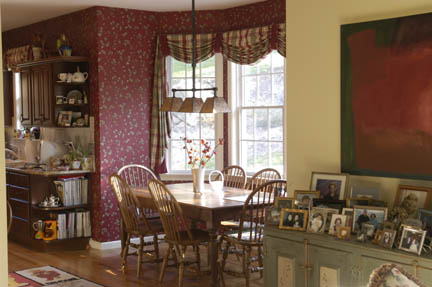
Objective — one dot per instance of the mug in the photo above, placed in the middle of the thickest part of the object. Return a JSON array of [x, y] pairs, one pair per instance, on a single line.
[[69, 78], [62, 77]]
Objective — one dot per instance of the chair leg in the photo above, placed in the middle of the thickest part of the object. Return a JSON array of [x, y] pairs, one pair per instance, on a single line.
[[225, 254], [260, 261], [125, 252], [181, 267], [164, 263], [140, 255], [156, 247], [246, 264], [198, 259], [222, 280]]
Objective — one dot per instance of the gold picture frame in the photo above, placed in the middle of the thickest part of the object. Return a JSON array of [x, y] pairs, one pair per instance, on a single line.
[[64, 118], [284, 202], [293, 219], [309, 194]]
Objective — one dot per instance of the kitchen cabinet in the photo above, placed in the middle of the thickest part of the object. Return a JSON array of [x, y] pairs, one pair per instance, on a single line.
[[41, 91], [294, 258], [25, 190], [8, 97]]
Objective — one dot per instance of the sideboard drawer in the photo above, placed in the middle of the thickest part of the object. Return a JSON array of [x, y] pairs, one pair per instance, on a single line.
[[18, 192], [20, 208], [18, 179]]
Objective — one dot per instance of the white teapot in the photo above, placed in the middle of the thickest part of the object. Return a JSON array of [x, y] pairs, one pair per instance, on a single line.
[[79, 77]]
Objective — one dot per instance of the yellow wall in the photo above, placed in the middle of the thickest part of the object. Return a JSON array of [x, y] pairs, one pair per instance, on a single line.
[[3, 230], [313, 83]]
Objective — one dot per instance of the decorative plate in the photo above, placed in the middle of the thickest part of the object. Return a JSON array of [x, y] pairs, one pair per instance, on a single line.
[[74, 94]]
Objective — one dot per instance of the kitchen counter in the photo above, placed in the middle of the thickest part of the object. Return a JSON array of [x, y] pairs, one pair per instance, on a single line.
[[41, 172]]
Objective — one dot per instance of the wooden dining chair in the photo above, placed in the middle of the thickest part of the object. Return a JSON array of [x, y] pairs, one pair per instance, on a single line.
[[177, 233], [137, 175], [250, 230], [234, 176], [134, 222], [262, 177]]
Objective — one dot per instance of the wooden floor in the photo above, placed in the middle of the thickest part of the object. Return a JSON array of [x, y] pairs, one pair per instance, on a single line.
[[103, 267]]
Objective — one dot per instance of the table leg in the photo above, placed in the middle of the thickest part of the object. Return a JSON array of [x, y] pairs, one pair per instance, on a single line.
[[213, 249]]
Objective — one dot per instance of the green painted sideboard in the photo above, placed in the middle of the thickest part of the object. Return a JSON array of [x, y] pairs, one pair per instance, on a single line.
[[297, 259]]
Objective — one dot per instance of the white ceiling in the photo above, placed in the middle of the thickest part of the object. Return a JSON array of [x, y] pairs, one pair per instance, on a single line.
[[18, 13]]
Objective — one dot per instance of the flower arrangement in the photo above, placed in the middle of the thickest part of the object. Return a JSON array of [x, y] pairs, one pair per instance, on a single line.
[[199, 159]]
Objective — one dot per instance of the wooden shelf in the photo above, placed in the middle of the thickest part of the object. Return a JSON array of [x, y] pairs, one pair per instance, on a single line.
[[71, 84], [48, 60], [60, 208], [71, 105]]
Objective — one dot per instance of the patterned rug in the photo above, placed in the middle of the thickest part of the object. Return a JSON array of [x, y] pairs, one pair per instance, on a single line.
[[47, 276]]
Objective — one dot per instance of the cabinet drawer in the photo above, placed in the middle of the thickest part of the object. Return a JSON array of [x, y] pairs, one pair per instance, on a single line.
[[20, 208], [18, 192], [18, 179]]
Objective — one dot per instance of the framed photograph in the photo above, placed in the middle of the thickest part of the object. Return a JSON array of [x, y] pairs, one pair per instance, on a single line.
[[357, 201], [388, 225], [349, 212], [388, 238], [363, 191], [412, 239], [378, 236], [370, 214], [420, 197], [294, 219], [425, 216], [344, 232], [273, 216], [64, 118], [369, 229], [325, 203], [284, 202], [330, 185], [317, 221], [337, 220], [304, 198], [59, 100], [330, 212], [361, 235]]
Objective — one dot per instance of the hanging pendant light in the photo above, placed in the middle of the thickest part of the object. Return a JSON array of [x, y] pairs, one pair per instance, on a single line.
[[215, 105], [194, 104], [171, 104]]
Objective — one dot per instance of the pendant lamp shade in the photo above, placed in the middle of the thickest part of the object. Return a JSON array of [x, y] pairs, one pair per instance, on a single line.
[[215, 105], [171, 104], [191, 105]]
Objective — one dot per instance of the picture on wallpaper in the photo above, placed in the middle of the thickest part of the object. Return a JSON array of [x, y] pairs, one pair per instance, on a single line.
[[381, 62]]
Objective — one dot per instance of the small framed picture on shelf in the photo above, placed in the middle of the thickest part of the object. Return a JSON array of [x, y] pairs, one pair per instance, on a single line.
[[329, 212], [59, 100], [304, 198], [412, 239], [420, 196], [425, 216], [284, 202], [64, 118], [330, 185], [294, 219], [273, 216], [325, 203], [337, 220], [378, 236], [388, 238], [370, 214], [71, 101], [369, 229], [317, 221], [344, 232]]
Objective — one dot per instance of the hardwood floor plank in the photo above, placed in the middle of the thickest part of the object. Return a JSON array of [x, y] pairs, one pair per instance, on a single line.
[[104, 267]]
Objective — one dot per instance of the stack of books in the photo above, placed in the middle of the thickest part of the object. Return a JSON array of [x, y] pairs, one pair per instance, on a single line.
[[73, 224], [72, 191]]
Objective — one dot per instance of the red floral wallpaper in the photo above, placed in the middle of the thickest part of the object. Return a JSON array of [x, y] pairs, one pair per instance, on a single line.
[[120, 44]]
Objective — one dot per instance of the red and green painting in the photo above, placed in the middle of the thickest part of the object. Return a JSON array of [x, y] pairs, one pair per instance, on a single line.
[[386, 73]]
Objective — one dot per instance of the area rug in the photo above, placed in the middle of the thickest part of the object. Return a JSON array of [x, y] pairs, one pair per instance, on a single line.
[[47, 276]]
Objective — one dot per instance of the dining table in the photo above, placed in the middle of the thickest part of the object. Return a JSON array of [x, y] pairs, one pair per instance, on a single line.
[[208, 206]]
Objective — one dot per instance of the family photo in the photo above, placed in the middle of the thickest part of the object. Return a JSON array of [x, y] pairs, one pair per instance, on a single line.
[[368, 214], [317, 221], [412, 240], [293, 219]]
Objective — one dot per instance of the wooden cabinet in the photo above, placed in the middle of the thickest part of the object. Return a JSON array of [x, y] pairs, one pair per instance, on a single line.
[[8, 97], [40, 91], [293, 258], [25, 192]]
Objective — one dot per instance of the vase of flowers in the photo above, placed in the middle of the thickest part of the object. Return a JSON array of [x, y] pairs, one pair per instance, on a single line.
[[198, 159]]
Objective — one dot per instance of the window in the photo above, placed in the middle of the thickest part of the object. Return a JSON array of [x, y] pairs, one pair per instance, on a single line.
[[259, 118], [193, 126]]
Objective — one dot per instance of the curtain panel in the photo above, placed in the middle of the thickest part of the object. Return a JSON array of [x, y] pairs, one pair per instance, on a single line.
[[245, 46]]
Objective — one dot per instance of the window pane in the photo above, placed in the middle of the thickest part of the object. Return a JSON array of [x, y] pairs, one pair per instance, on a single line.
[[192, 126], [178, 125], [277, 62], [264, 98], [247, 155], [207, 126], [276, 124], [261, 124], [250, 91], [208, 68], [261, 155], [247, 128], [178, 155], [178, 68], [249, 69], [264, 65], [278, 89], [277, 156], [211, 164]]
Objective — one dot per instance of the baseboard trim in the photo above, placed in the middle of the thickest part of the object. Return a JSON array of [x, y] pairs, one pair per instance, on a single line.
[[117, 243]]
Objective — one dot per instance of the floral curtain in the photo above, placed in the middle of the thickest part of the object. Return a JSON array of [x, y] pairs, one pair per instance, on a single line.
[[241, 46]]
